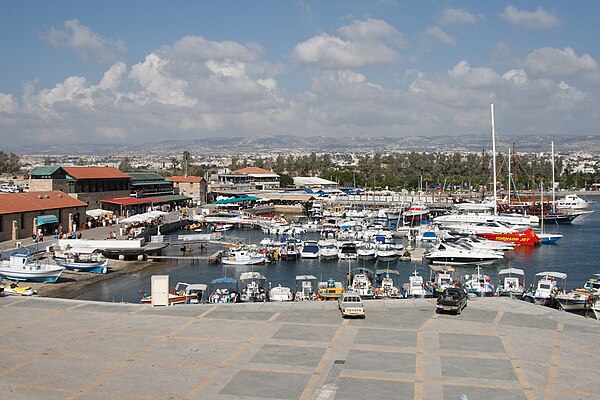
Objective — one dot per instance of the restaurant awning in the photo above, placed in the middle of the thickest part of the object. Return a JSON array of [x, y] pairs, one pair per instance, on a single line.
[[47, 219], [236, 200]]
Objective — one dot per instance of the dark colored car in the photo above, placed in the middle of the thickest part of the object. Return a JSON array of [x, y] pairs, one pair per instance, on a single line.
[[453, 300]]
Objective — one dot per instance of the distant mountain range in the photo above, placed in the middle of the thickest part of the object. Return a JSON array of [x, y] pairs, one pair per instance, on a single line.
[[319, 144]]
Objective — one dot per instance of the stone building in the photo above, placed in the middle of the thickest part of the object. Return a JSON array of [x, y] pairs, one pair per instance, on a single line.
[[193, 186], [23, 214]]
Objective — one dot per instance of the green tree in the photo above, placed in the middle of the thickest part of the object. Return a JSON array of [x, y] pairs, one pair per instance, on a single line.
[[125, 165], [286, 180], [186, 160]]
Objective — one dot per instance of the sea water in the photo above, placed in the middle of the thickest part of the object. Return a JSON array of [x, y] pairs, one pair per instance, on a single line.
[[576, 254]]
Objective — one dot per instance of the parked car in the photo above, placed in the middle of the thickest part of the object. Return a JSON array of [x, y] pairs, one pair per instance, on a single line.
[[453, 300], [351, 305]]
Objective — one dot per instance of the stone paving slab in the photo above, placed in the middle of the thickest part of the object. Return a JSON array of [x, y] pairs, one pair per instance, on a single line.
[[497, 349]]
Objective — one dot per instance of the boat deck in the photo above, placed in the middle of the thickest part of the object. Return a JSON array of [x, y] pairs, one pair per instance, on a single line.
[[497, 349]]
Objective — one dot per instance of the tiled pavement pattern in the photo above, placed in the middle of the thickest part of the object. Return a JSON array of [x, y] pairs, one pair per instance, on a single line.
[[497, 349]]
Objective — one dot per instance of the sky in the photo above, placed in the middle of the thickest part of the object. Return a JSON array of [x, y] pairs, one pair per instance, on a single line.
[[146, 70]]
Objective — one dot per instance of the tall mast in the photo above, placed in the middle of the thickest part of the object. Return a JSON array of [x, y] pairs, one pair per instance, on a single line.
[[553, 191], [509, 180], [494, 160]]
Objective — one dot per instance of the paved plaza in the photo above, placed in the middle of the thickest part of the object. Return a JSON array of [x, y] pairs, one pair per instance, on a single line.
[[497, 349]]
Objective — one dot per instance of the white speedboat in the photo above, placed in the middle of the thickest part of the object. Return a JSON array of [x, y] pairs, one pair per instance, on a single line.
[[386, 252], [310, 249], [243, 257], [328, 250], [21, 267], [366, 251], [444, 253], [348, 251]]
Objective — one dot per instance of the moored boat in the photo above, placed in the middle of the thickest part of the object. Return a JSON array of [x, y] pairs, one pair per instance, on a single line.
[[525, 237], [22, 267]]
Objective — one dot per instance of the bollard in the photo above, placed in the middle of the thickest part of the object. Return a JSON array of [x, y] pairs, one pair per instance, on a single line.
[[121, 257]]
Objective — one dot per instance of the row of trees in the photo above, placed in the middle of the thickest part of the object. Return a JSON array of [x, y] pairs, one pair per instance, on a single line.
[[414, 170]]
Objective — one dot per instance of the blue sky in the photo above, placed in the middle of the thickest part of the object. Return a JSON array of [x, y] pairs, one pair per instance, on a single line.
[[128, 71]]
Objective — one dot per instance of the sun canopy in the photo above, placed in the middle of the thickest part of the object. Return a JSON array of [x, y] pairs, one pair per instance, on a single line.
[[223, 280], [515, 271], [236, 200], [557, 275], [305, 277], [145, 217], [387, 271], [440, 268], [97, 212]]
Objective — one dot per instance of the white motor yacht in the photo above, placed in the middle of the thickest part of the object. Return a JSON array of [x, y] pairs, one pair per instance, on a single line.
[[445, 253]]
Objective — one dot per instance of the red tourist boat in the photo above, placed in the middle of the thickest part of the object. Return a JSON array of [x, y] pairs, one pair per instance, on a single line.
[[520, 238]]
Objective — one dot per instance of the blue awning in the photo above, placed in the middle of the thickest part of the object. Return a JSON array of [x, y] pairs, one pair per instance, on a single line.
[[47, 219]]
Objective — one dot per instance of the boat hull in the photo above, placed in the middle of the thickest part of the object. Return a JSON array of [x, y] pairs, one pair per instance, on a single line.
[[100, 267], [526, 237], [45, 276]]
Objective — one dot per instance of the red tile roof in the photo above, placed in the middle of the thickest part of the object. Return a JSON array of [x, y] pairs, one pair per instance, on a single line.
[[95, 172], [188, 179], [254, 170], [11, 203], [127, 201]]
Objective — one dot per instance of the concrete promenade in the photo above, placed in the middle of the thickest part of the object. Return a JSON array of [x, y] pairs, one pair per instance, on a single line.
[[497, 349]]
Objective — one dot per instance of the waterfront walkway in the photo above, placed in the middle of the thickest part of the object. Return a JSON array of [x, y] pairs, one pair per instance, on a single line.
[[497, 349]]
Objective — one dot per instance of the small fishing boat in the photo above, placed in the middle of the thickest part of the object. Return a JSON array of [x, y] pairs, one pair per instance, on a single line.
[[21, 267], [442, 279], [361, 284], [281, 293], [252, 287], [330, 290], [415, 287], [182, 293], [305, 288], [224, 290], [82, 259], [479, 284], [511, 285], [547, 288], [387, 287]]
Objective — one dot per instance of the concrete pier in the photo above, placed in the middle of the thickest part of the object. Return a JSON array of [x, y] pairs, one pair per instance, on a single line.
[[497, 349]]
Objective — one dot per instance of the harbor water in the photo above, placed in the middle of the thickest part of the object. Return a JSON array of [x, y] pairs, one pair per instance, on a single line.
[[576, 254]]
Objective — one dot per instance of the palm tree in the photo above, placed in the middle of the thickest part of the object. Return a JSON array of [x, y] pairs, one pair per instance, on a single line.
[[175, 164]]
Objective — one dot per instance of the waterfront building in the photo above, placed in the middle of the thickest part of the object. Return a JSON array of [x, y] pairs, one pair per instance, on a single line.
[[314, 182], [145, 184], [91, 185], [25, 214], [192, 186], [250, 178]]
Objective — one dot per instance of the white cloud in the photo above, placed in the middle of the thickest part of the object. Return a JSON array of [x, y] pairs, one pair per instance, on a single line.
[[538, 19], [8, 103], [551, 62], [369, 42], [436, 33], [516, 76], [474, 77], [458, 16], [81, 40]]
